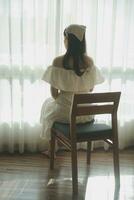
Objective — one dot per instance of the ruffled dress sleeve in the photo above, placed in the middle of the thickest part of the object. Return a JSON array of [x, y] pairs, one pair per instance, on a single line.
[[67, 80]]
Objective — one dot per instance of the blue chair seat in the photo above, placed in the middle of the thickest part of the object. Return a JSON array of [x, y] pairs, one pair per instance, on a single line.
[[83, 130]]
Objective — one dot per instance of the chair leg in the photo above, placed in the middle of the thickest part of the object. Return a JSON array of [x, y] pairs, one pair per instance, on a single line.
[[88, 152], [52, 150], [74, 169], [116, 162]]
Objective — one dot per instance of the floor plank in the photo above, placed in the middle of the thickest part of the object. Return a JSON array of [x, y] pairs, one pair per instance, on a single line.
[[27, 177]]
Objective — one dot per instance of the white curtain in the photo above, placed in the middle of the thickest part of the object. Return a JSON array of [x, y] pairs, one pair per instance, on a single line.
[[31, 35]]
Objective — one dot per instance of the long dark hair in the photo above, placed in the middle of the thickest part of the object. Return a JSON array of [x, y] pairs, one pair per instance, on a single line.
[[75, 51]]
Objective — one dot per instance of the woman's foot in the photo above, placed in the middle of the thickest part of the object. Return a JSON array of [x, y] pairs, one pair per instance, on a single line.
[[47, 154]]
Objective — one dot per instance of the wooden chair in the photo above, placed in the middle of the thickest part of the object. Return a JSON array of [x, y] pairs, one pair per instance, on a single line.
[[72, 133]]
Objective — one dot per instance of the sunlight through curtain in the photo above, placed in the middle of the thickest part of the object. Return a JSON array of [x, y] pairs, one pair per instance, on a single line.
[[31, 35]]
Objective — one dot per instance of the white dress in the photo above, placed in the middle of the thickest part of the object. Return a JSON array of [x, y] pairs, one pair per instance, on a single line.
[[68, 83]]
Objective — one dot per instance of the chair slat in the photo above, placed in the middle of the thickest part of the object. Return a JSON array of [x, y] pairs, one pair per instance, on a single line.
[[95, 109], [97, 97]]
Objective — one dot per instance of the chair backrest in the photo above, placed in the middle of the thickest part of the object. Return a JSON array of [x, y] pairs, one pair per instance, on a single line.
[[94, 103]]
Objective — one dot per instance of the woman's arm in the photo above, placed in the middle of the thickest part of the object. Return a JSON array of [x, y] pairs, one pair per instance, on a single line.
[[54, 92], [91, 90]]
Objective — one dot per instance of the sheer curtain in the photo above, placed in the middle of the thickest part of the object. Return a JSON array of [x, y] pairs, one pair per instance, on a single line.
[[31, 35]]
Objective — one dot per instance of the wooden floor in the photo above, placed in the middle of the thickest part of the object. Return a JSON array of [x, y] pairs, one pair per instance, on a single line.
[[27, 177]]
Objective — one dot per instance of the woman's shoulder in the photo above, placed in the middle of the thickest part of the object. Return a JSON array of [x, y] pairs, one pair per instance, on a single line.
[[58, 61]]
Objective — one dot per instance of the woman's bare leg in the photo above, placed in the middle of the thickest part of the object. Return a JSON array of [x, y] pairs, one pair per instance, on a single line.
[[47, 152]]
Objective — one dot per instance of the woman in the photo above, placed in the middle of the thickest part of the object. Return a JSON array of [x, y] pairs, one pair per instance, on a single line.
[[73, 72]]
